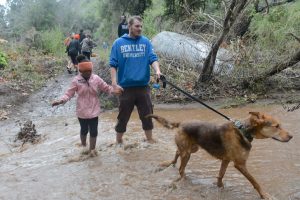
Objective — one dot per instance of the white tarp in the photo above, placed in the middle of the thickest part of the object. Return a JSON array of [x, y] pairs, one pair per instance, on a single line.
[[177, 46]]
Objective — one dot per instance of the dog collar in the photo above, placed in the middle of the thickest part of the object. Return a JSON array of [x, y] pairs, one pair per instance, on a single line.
[[243, 130]]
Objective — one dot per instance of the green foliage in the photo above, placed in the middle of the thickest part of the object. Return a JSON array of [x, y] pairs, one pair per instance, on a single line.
[[3, 60], [271, 30], [41, 14], [132, 7], [152, 19], [103, 53], [30, 70], [2, 20], [180, 8], [23, 15], [52, 42]]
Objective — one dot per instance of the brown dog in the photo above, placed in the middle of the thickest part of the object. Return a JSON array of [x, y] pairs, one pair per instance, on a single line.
[[225, 142]]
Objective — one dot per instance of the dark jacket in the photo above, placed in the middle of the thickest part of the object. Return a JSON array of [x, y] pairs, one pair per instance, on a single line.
[[82, 36], [123, 28], [73, 48]]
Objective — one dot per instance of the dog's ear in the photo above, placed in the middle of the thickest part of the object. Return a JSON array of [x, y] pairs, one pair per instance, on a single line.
[[257, 114], [257, 118]]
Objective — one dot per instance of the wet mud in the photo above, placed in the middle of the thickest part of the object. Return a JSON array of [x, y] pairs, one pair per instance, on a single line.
[[58, 168]]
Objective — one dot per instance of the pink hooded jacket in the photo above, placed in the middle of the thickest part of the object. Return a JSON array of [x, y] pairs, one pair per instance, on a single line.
[[88, 104]]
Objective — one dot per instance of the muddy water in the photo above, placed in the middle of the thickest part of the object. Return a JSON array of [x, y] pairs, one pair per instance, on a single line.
[[55, 168]]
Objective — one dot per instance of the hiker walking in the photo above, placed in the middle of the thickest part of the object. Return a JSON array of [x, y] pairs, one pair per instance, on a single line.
[[87, 45], [67, 42], [129, 62], [73, 51], [81, 37], [87, 85]]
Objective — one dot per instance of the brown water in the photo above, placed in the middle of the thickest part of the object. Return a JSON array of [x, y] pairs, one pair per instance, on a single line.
[[45, 170]]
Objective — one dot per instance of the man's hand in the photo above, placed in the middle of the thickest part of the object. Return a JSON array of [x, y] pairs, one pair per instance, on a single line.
[[157, 74], [117, 90], [57, 102]]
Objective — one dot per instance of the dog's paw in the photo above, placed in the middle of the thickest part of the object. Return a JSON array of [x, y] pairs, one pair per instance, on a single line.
[[267, 196], [181, 178], [219, 184], [165, 164], [159, 169]]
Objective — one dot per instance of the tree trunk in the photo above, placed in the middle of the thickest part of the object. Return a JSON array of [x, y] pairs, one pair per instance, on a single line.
[[277, 68], [234, 10]]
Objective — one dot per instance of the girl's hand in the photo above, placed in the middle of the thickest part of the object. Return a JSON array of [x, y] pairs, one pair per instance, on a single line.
[[57, 102], [117, 90]]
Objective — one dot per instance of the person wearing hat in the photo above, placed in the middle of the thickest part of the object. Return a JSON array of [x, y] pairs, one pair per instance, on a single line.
[[87, 85]]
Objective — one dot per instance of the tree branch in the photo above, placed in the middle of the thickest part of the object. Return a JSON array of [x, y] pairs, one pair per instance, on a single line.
[[292, 34], [279, 67]]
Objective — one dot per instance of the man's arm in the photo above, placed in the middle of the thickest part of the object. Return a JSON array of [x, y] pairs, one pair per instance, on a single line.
[[155, 66], [117, 89], [113, 74]]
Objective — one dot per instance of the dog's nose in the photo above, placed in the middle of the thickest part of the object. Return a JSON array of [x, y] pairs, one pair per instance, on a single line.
[[290, 136]]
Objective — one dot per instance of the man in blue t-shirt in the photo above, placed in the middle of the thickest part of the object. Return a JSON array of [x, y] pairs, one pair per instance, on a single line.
[[130, 60]]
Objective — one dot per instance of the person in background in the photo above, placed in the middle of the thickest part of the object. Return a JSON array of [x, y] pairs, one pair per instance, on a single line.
[[67, 42], [123, 26], [130, 60], [87, 85], [81, 37], [73, 51], [87, 46], [68, 39]]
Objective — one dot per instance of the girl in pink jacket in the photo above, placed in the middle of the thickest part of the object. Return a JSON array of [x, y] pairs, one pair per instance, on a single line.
[[87, 86]]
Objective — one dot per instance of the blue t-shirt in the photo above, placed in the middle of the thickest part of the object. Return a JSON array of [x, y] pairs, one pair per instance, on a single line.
[[132, 57]]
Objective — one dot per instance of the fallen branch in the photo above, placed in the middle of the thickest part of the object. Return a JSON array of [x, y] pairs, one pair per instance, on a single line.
[[277, 68], [292, 34], [291, 109]]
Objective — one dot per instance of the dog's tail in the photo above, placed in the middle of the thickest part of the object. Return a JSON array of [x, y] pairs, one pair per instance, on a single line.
[[164, 122]]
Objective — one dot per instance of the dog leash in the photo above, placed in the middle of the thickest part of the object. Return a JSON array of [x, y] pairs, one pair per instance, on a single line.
[[165, 82], [238, 124]]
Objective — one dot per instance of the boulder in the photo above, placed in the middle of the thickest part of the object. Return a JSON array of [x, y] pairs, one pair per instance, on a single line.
[[190, 51], [2, 41]]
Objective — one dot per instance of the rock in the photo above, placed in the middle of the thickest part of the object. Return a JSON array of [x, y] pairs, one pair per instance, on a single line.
[[3, 115], [186, 49], [2, 41]]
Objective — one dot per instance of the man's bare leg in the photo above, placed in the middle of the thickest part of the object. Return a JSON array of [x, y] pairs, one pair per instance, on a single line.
[[119, 139], [149, 138]]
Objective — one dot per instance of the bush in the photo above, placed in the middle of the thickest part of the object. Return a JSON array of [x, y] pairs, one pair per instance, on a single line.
[[271, 30], [3, 60], [52, 42]]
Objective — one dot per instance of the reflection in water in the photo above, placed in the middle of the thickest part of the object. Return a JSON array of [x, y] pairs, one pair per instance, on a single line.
[[132, 172]]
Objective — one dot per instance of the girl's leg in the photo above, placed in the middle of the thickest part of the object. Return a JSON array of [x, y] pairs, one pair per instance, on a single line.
[[83, 130], [83, 140], [93, 125], [93, 141]]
